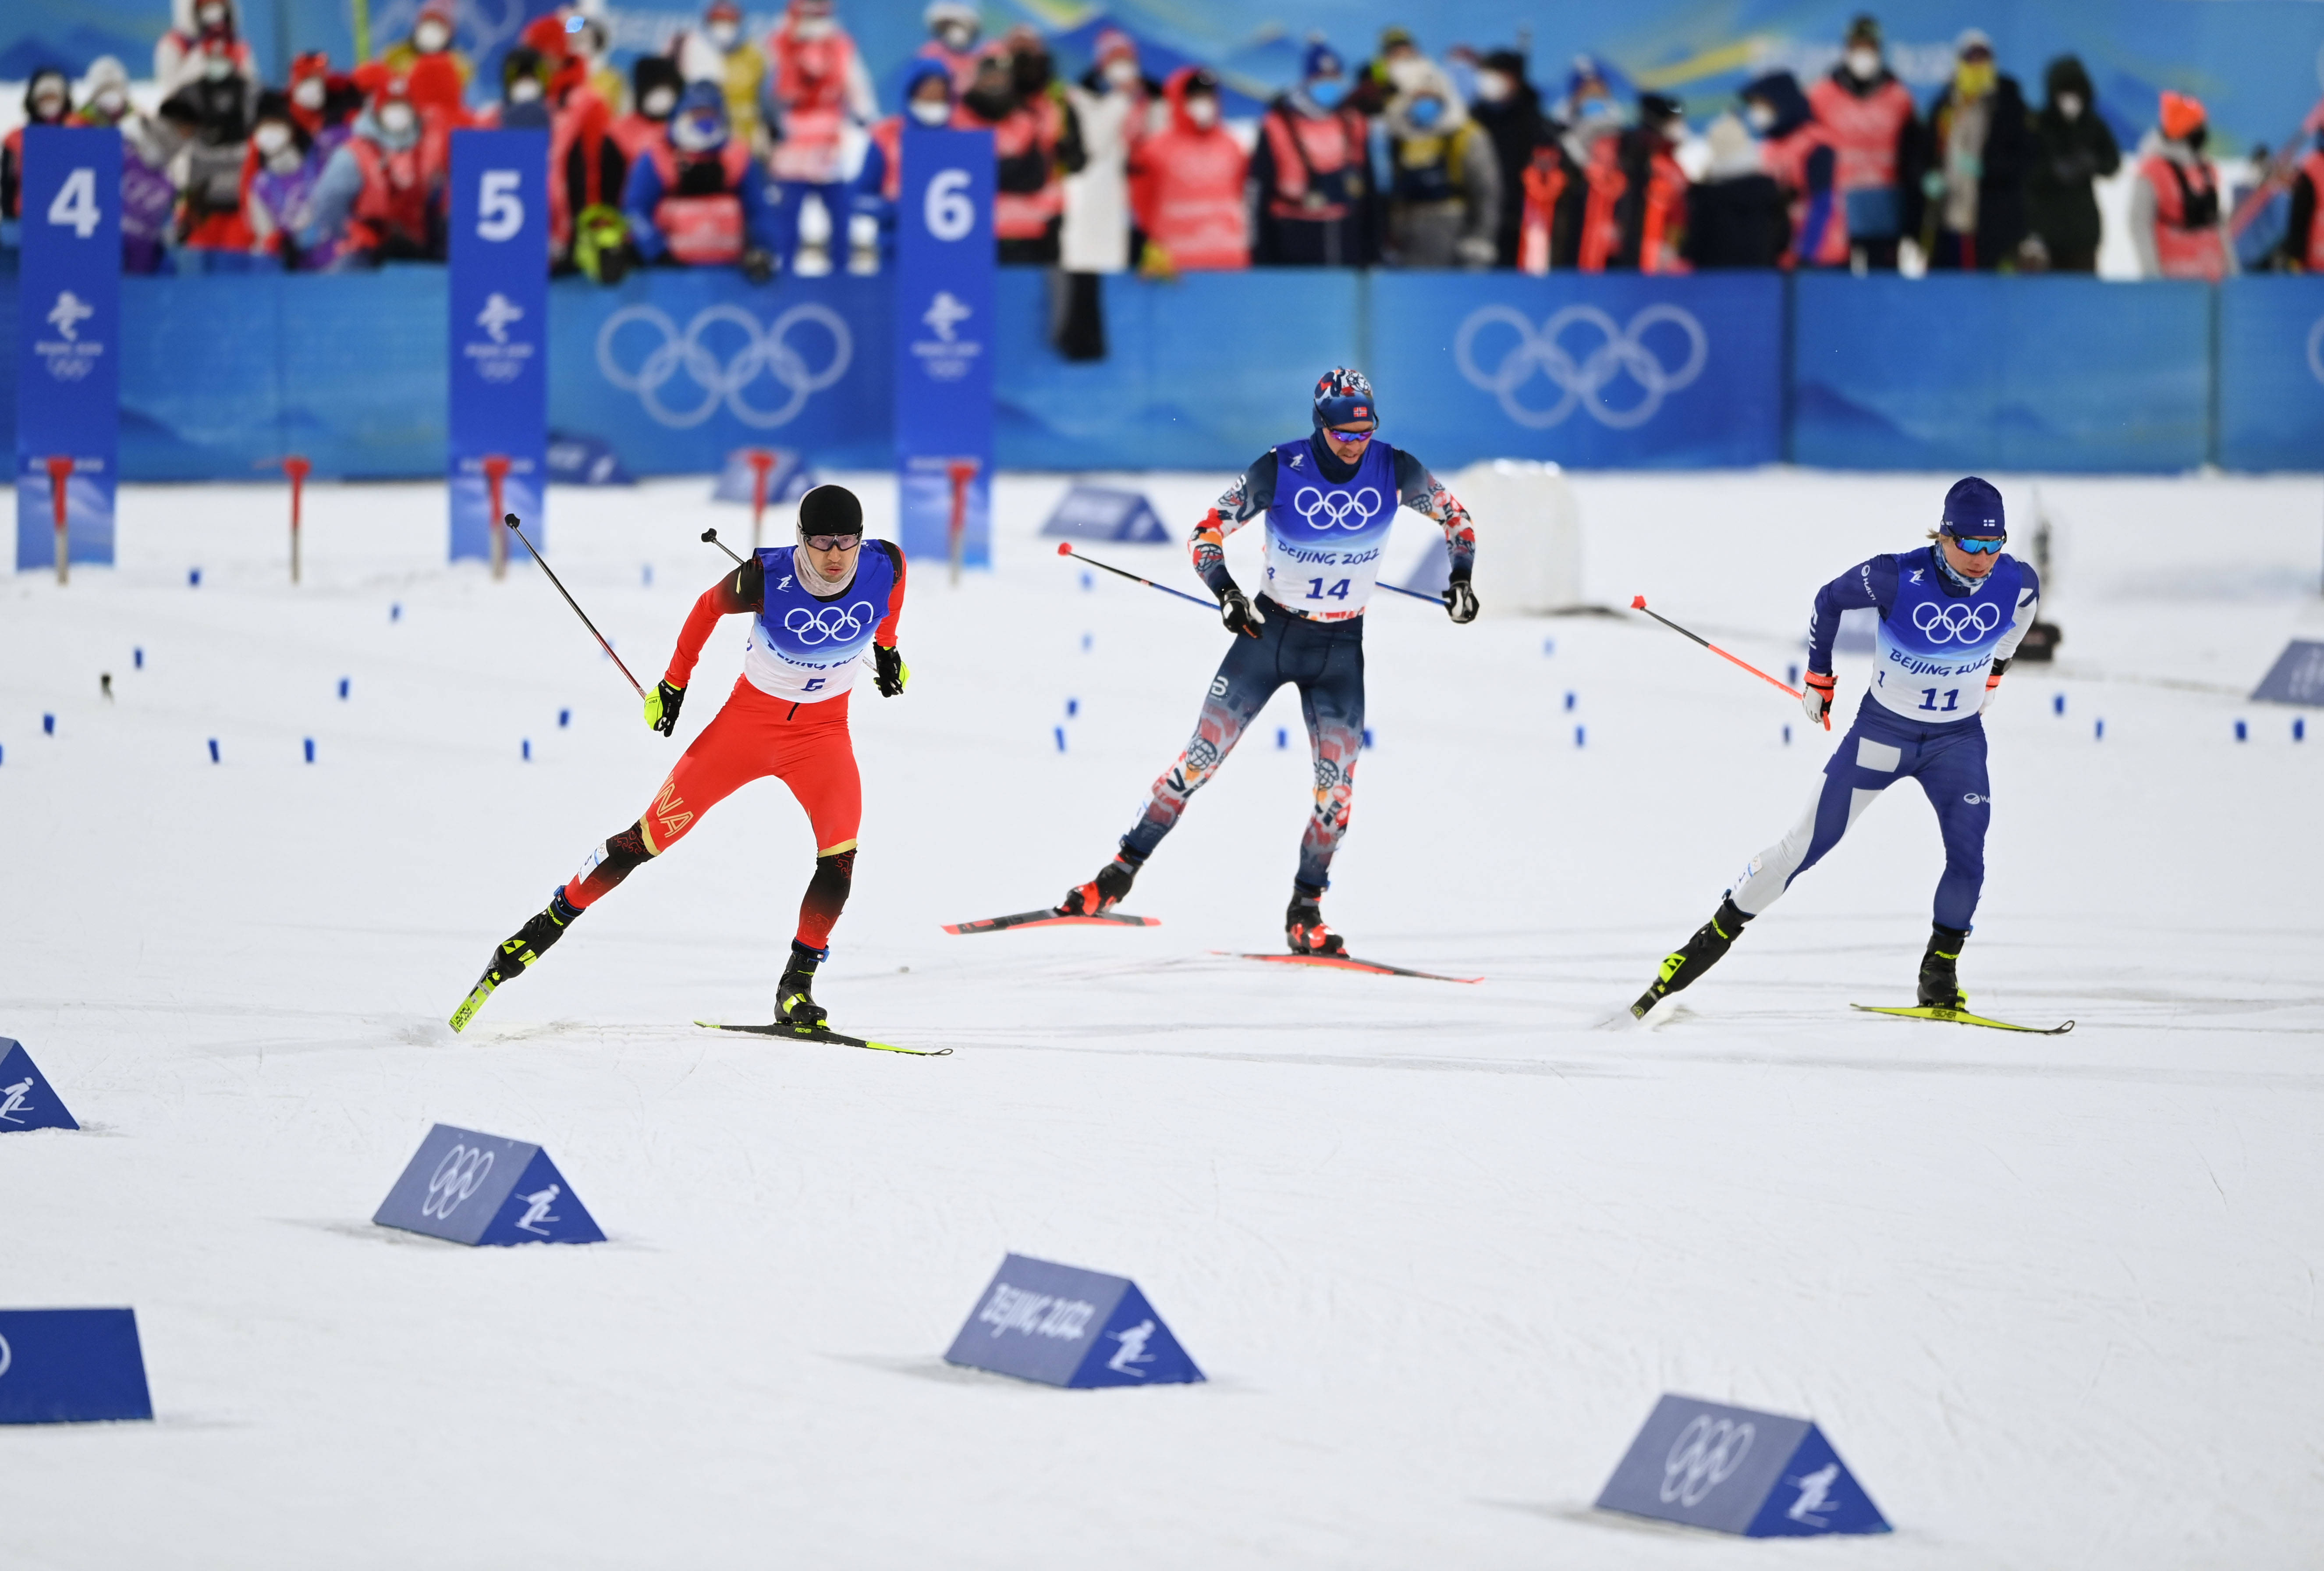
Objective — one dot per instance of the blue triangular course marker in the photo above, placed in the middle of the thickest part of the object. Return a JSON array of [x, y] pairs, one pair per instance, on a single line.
[[27, 1101], [1733, 1470], [2296, 678], [1815, 1493], [1135, 1348], [1103, 513], [1064, 1327], [71, 1366], [542, 1208]]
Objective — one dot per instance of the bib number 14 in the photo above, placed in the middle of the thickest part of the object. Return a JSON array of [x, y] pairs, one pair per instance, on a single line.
[[1317, 591]]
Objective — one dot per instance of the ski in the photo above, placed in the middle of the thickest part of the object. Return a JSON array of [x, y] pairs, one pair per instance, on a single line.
[[1049, 918], [473, 1003], [1350, 963], [1963, 1017], [792, 1033]]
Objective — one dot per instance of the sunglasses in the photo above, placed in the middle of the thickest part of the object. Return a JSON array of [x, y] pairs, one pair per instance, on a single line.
[[832, 542], [1363, 436], [1978, 548]]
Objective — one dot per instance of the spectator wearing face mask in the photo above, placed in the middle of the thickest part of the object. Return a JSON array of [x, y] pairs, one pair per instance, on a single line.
[[208, 170], [1311, 174], [2177, 218], [698, 199], [1191, 179], [379, 197], [1869, 119], [48, 101], [149, 198], [2304, 241], [1980, 141], [592, 45], [323, 104], [818, 87], [952, 27], [718, 53], [1651, 214], [1444, 184], [1737, 215], [1795, 149], [1509, 110], [1588, 194], [546, 84], [1111, 105], [879, 184], [438, 74], [278, 189], [655, 84], [1036, 143], [202, 33], [2072, 148], [1375, 88]]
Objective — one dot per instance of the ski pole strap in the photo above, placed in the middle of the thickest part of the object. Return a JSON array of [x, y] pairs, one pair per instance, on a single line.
[[1066, 548], [1638, 602], [511, 521], [711, 536]]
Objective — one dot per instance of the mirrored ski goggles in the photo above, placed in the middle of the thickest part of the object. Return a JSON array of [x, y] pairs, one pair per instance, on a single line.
[[1978, 547], [1362, 435], [832, 542]]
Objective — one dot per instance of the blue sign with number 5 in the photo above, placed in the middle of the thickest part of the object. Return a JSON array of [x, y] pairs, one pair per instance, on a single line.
[[499, 411], [68, 346], [944, 331]]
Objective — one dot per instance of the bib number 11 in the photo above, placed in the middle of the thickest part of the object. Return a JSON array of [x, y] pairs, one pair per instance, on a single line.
[[1316, 591], [1929, 700]]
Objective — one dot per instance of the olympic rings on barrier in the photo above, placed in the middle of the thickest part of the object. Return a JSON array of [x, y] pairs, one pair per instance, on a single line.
[[456, 1178], [1340, 509], [831, 625], [7, 1355], [2316, 348], [1706, 1454], [1581, 383], [763, 351], [1946, 624]]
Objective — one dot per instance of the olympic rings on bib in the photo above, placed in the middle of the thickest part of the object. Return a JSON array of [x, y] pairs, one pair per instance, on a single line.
[[1959, 622], [454, 1179], [833, 624], [1350, 510], [1706, 1454], [1622, 352], [762, 352]]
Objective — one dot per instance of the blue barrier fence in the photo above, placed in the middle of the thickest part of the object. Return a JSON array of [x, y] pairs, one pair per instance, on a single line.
[[222, 373]]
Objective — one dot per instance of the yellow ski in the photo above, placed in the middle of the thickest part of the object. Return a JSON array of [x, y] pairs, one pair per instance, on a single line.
[[1963, 1017]]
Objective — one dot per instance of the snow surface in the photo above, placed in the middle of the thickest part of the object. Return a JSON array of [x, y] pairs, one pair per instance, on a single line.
[[1438, 1247]]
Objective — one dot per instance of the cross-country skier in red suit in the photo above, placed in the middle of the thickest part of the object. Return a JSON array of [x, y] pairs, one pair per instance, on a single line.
[[816, 609], [1328, 499]]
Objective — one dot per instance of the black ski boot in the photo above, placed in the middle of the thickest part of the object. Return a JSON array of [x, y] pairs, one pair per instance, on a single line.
[[1940, 985], [1303, 928], [1696, 956], [1102, 893], [524, 948], [794, 1004]]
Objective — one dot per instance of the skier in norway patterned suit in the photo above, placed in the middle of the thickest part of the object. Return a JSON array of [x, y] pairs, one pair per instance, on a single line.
[[1330, 498], [1951, 614]]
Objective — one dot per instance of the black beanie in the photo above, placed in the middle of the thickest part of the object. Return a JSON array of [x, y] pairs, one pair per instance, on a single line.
[[830, 510]]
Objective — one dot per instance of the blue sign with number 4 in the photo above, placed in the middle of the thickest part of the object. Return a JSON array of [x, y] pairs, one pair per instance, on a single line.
[[68, 346]]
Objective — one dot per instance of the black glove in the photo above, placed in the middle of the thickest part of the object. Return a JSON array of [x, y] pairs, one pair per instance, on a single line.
[[889, 672], [613, 263], [1239, 614], [1461, 601], [757, 265], [662, 707]]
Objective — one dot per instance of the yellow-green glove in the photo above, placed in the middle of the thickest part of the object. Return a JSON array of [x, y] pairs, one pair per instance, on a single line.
[[662, 707], [889, 674]]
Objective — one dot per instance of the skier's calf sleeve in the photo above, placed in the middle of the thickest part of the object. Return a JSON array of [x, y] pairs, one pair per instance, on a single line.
[[827, 897], [607, 867]]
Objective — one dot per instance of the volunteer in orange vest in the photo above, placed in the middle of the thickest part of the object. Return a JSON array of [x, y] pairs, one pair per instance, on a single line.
[[1799, 154], [1651, 214], [439, 74], [1868, 117], [818, 87], [696, 198], [383, 189], [879, 185], [2304, 245], [2176, 216], [1035, 144], [1313, 169], [1189, 181]]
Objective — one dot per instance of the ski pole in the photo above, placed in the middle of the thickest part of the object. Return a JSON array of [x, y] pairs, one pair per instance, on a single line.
[[1435, 600], [711, 535], [1066, 548], [1639, 604], [510, 519]]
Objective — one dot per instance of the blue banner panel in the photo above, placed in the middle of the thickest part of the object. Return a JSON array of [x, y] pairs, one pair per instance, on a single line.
[[1732, 1470], [1205, 373], [1591, 371], [498, 404], [68, 345], [946, 336], [479, 1188], [677, 368], [71, 1366], [1102, 512], [27, 1101], [1958, 372], [2270, 372], [1064, 1327]]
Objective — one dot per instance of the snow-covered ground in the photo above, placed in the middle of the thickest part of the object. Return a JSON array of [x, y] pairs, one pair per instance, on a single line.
[[1438, 1247]]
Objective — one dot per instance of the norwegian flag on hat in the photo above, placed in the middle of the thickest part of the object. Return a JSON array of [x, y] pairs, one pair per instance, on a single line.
[[1343, 394]]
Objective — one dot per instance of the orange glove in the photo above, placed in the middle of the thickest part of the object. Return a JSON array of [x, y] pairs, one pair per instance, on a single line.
[[1816, 697]]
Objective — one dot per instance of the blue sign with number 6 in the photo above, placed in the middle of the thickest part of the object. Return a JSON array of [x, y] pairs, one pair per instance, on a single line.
[[944, 331]]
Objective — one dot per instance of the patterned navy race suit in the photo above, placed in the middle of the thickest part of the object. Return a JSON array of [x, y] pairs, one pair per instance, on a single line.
[[1326, 523], [1938, 639]]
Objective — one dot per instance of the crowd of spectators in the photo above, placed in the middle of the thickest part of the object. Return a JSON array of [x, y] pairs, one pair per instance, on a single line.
[[772, 154]]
